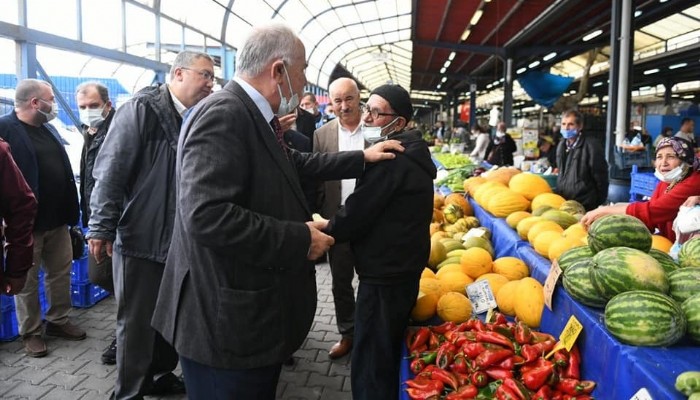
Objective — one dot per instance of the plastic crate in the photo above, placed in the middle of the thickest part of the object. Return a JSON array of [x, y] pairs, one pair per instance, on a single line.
[[628, 159], [7, 303], [85, 295], [79, 272], [8, 325], [641, 184]]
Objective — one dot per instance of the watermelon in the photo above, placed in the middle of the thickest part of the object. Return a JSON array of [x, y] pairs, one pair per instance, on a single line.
[[666, 261], [691, 310], [645, 318], [577, 282], [572, 255], [689, 255], [620, 269], [619, 230], [683, 283]]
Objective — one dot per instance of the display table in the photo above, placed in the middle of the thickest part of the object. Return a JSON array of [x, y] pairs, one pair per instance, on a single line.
[[619, 370]]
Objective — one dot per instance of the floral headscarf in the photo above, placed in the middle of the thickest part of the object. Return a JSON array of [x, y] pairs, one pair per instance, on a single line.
[[682, 148]]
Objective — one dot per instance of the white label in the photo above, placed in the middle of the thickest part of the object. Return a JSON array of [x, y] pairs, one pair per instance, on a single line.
[[481, 296], [642, 394]]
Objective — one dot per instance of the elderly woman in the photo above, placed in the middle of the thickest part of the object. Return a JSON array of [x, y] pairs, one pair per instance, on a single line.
[[675, 168]]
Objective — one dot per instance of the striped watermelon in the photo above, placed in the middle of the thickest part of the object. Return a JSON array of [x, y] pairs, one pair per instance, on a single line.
[[618, 230], [691, 309], [620, 269], [667, 262], [683, 283], [689, 256], [572, 255], [645, 318], [577, 282]]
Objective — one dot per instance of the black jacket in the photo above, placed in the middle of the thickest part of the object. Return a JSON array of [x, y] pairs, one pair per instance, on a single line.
[[91, 147], [387, 218], [583, 172], [502, 153]]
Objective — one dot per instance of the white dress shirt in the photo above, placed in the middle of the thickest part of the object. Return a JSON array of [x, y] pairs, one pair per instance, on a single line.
[[348, 141]]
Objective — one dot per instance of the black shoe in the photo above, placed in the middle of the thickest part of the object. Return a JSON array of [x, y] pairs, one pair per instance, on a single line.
[[109, 356], [167, 384]]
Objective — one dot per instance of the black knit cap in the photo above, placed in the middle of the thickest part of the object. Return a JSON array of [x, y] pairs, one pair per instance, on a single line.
[[398, 99]]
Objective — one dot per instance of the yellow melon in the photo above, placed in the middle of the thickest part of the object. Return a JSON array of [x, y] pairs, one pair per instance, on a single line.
[[562, 244], [529, 302], [502, 175], [455, 282], [458, 198], [506, 297], [437, 253], [661, 243], [513, 219], [511, 267], [543, 226], [486, 188], [529, 185], [547, 199], [505, 202], [575, 231], [496, 281], [470, 184], [454, 307], [427, 274], [476, 262], [431, 286], [425, 307], [446, 269], [525, 224], [544, 240]]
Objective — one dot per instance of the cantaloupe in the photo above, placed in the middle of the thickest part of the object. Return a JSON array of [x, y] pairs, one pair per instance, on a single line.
[[529, 302], [454, 307]]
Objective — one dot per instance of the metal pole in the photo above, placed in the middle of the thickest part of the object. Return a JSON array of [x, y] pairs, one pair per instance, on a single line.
[[623, 82]]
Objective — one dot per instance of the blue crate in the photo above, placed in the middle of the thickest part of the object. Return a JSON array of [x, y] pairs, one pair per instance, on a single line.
[[85, 295], [641, 184], [79, 271], [7, 303], [9, 330]]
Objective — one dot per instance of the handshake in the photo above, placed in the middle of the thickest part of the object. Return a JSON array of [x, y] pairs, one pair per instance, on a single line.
[[320, 242]]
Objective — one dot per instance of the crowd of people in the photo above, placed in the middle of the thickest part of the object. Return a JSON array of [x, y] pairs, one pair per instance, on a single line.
[[199, 210]]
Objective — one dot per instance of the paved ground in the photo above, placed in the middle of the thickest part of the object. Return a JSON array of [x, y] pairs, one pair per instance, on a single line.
[[72, 370]]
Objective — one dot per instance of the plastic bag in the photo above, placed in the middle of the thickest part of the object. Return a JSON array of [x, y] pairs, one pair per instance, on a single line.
[[686, 224], [77, 241]]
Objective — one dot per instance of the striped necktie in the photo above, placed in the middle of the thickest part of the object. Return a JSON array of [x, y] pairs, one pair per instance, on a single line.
[[279, 135]]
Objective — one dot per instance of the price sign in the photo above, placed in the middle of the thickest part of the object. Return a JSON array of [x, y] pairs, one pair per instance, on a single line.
[[551, 283], [571, 331], [642, 394], [481, 296]]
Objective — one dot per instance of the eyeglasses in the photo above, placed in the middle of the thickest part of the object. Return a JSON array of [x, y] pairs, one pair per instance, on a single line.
[[374, 113], [205, 74]]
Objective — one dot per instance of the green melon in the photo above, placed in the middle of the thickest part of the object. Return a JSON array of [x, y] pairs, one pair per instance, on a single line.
[[691, 310], [619, 230], [620, 269], [572, 255], [666, 261], [645, 318], [683, 283], [577, 282], [562, 218], [689, 255], [541, 210], [572, 207]]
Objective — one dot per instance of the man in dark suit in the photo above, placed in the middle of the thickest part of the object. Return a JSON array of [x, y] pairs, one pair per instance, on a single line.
[[341, 134], [238, 294]]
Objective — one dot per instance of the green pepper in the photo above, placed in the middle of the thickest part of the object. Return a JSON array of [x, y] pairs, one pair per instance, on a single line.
[[688, 382]]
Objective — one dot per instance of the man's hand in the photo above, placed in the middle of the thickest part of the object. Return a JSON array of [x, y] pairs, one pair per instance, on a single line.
[[382, 151], [692, 201], [320, 242], [98, 247], [12, 286], [286, 121]]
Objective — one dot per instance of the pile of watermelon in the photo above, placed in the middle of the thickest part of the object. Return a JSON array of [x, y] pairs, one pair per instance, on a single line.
[[648, 297]]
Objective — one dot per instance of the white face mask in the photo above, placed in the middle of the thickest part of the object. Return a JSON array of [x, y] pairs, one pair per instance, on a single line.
[[500, 133], [286, 106], [91, 117], [373, 134], [669, 176], [309, 110], [52, 114]]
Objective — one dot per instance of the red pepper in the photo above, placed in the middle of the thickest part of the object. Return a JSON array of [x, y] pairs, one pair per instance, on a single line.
[[473, 349], [460, 338], [424, 383], [545, 393], [505, 330], [433, 341], [499, 373], [445, 355], [523, 334], [417, 365], [536, 378], [444, 328], [532, 351], [464, 392], [541, 362], [573, 370], [511, 362], [575, 387], [557, 395], [479, 379], [418, 338], [503, 393], [418, 351], [462, 379], [538, 337], [441, 375], [460, 364], [418, 394], [495, 338], [584, 397], [516, 387], [479, 326], [561, 358], [499, 319], [491, 357]]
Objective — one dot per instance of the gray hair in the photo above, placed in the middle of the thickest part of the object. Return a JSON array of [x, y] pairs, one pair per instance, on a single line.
[[101, 89], [27, 89], [578, 117], [186, 59], [265, 44]]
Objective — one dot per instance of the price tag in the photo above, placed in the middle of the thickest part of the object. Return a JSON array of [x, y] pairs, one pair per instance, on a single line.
[[551, 283], [642, 394], [571, 331], [481, 296], [489, 315]]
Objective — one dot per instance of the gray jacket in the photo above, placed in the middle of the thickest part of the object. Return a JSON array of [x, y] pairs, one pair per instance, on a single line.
[[133, 202]]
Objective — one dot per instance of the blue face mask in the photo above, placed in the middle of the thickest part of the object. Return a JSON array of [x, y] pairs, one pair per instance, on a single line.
[[568, 133]]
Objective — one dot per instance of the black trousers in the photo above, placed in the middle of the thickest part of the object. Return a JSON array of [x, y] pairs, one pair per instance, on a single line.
[[380, 324], [342, 262]]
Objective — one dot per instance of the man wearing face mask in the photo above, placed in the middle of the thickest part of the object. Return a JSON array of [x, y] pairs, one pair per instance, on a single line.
[[39, 154], [386, 221], [308, 117], [583, 171], [96, 112], [500, 150], [676, 168]]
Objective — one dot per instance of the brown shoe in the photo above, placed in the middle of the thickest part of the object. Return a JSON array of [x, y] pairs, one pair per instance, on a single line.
[[34, 345], [66, 331], [341, 348]]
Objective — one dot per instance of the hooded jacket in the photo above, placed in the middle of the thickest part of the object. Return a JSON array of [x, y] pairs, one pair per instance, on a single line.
[[387, 218]]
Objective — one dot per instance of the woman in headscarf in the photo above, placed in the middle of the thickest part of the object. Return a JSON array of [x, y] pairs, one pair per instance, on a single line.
[[676, 166]]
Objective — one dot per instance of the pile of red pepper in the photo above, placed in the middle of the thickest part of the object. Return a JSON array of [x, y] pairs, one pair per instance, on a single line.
[[498, 360]]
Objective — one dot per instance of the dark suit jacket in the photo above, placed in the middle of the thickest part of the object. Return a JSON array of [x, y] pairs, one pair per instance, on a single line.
[[238, 290]]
